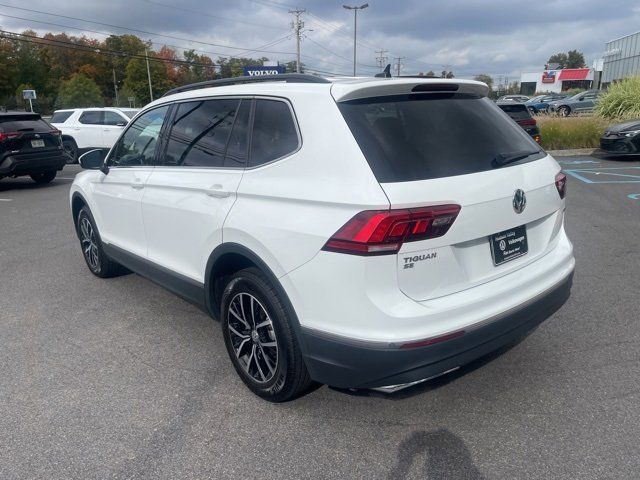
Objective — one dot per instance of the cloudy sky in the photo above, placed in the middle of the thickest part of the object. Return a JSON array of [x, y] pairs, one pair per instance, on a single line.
[[500, 37]]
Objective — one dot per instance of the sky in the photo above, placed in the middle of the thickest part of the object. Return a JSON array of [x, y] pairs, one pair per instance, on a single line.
[[469, 37]]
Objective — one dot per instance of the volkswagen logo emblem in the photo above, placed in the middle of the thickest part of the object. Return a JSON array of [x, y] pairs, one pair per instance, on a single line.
[[519, 201]]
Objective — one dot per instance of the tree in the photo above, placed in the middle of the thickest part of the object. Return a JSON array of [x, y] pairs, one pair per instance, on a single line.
[[430, 74], [572, 59], [483, 77], [137, 82], [79, 92]]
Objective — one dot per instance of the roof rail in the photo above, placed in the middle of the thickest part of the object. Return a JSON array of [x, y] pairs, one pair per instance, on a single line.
[[221, 82]]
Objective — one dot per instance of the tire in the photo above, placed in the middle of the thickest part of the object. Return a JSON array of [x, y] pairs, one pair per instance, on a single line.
[[98, 262], [71, 151], [564, 111], [260, 340], [46, 177]]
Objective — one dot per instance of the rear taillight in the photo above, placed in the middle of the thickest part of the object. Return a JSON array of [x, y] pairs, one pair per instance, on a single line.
[[382, 232], [55, 132], [527, 122], [7, 135], [537, 138], [561, 184]]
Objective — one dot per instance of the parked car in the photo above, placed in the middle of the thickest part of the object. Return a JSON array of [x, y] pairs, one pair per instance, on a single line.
[[513, 98], [581, 103], [621, 139], [84, 129], [363, 233], [29, 146], [522, 116], [540, 104]]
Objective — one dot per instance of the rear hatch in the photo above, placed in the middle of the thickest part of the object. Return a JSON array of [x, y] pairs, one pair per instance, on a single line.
[[456, 147], [27, 134]]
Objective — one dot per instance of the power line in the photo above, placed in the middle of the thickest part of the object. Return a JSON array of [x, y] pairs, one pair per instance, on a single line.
[[340, 56], [145, 32], [48, 42], [107, 34]]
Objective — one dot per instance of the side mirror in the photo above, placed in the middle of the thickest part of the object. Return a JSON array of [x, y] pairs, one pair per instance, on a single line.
[[93, 160]]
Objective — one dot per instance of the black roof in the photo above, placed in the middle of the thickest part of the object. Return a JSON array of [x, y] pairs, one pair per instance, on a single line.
[[285, 77]]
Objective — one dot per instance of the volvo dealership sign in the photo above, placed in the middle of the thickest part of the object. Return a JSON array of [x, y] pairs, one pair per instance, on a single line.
[[260, 70]]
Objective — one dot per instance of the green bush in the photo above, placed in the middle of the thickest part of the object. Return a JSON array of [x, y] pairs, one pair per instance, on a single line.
[[571, 132], [622, 100]]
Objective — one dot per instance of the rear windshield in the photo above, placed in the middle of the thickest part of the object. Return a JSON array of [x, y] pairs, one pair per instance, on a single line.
[[420, 137], [23, 123], [60, 117], [517, 111]]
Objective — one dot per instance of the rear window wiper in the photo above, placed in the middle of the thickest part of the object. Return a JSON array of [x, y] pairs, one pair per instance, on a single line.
[[503, 159]]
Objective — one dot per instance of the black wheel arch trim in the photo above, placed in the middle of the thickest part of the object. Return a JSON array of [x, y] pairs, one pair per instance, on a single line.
[[235, 248]]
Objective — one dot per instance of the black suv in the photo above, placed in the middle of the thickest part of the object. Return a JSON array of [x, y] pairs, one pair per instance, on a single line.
[[522, 116], [29, 146]]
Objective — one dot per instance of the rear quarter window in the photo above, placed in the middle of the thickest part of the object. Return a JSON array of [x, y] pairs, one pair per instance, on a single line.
[[274, 132], [516, 111], [420, 137]]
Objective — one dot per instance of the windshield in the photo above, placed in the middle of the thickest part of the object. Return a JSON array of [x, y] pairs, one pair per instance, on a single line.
[[419, 137]]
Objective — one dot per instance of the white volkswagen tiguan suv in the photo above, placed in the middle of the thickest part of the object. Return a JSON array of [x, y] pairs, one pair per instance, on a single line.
[[360, 232]]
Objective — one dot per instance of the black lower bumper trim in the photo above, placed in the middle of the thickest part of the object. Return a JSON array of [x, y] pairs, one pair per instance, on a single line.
[[348, 365], [28, 164]]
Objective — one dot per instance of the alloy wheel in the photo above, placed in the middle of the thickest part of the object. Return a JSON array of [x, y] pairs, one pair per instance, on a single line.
[[253, 337], [89, 245]]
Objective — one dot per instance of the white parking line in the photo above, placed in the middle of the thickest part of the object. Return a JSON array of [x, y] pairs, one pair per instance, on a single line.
[[6, 199]]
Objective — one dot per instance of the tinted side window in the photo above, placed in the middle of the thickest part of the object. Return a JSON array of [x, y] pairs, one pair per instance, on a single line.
[[238, 145], [137, 145], [199, 133], [274, 132], [60, 117], [112, 118], [91, 118]]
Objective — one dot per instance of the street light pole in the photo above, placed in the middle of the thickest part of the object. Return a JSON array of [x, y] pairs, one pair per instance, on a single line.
[[355, 30]]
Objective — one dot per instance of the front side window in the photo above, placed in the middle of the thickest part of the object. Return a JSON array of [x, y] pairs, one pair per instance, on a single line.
[[138, 144], [91, 118], [274, 132], [199, 133]]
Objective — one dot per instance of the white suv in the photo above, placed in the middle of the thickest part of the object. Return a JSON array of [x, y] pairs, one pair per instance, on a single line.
[[363, 233], [86, 128]]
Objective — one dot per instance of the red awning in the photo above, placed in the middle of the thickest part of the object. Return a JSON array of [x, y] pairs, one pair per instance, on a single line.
[[574, 74]]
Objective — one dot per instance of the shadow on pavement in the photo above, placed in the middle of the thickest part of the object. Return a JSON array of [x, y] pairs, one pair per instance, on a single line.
[[444, 454]]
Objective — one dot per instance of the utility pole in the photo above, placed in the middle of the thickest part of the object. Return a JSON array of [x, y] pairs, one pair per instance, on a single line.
[[355, 30], [115, 86], [149, 74], [297, 26], [381, 57], [398, 64]]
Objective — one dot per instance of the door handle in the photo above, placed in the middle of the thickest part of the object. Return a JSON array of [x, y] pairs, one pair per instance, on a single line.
[[137, 184], [216, 191]]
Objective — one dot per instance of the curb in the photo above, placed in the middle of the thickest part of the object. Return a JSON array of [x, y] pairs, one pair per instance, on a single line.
[[571, 152]]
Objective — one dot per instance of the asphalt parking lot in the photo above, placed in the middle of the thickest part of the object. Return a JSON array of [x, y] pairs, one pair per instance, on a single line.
[[121, 379]]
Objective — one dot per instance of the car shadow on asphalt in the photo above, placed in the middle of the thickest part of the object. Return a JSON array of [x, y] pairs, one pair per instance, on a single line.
[[435, 383]]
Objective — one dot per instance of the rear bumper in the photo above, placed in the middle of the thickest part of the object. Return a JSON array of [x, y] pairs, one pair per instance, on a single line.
[[27, 164], [340, 362]]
